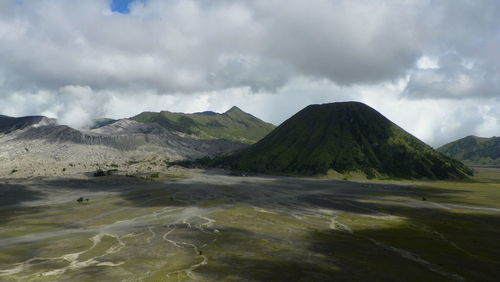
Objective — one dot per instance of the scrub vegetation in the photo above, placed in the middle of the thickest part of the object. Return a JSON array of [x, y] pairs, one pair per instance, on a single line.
[[474, 150], [344, 137], [234, 125]]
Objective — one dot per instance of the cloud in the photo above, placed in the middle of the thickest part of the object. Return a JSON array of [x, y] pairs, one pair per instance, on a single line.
[[198, 45], [189, 45], [77, 105], [454, 78], [72, 105], [78, 60]]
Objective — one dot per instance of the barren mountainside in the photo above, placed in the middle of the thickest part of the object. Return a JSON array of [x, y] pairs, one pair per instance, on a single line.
[[129, 136], [35, 145]]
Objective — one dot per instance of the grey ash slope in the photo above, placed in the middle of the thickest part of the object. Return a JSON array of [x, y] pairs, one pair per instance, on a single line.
[[474, 150], [37, 146], [127, 126], [128, 135], [344, 137], [100, 122]]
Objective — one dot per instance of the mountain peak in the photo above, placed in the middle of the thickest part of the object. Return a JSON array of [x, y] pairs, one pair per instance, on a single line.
[[234, 124], [234, 109], [344, 137]]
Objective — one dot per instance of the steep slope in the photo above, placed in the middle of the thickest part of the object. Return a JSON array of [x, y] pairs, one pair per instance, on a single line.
[[474, 150], [9, 124], [40, 147], [129, 135], [100, 122], [344, 137], [128, 126], [235, 124]]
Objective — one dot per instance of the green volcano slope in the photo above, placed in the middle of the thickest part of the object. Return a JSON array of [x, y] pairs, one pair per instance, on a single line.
[[346, 137], [474, 150], [234, 125]]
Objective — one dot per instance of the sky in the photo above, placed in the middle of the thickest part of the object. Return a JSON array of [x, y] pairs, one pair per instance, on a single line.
[[121, 6], [430, 66]]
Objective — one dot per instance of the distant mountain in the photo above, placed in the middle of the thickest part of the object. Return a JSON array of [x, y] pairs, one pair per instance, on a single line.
[[345, 137], [9, 124], [474, 150], [235, 124]]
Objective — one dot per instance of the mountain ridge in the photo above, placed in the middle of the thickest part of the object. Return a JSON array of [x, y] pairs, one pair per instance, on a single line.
[[9, 124], [234, 124], [474, 150]]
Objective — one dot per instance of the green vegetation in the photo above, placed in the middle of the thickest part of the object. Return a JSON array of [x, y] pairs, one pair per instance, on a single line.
[[474, 150], [261, 229], [482, 190], [345, 137], [234, 124]]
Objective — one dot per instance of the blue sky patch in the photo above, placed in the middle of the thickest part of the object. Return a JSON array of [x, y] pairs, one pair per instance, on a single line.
[[121, 6]]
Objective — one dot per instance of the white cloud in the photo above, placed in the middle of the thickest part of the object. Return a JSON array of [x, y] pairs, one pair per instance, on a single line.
[[430, 66], [455, 77], [426, 62], [197, 45]]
